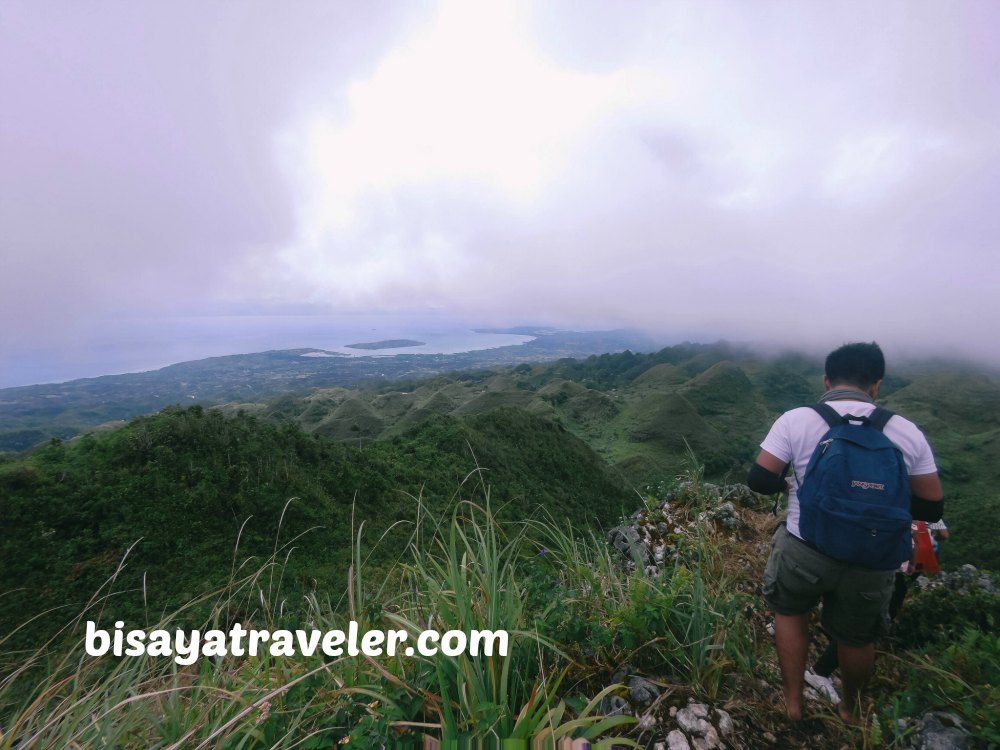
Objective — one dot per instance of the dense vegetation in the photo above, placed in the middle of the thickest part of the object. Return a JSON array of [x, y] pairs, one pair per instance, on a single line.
[[251, 513], [179, 485], [645, 413], [576, 613]]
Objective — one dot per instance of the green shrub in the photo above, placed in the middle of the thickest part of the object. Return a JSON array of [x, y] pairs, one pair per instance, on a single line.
[[941, 615], [959, 678]]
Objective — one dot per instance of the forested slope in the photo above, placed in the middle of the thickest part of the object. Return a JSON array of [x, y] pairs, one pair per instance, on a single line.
[[179, 485]]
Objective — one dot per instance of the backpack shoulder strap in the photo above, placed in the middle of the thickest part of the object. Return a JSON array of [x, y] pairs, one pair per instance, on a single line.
[[879, 417], [833, 419]]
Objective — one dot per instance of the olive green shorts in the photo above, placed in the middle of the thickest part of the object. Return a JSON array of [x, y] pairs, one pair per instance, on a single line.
[[855, 599]]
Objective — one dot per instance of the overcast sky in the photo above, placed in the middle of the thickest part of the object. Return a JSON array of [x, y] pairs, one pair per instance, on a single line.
[[780, 171]]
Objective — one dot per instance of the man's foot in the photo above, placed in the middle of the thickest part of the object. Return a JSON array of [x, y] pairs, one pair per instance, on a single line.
[[823, 685], [793, 707], [846, 716]]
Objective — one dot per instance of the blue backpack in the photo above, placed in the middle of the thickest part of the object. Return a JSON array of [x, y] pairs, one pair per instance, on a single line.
[[854, 500]]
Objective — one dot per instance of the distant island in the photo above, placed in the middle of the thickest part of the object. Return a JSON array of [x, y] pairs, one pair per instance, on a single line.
[[387, 344]]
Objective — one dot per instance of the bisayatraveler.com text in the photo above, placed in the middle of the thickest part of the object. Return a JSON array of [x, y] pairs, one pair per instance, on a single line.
[[187, 646]]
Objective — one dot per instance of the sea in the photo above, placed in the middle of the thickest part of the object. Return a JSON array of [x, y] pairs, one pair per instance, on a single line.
[[138, 344]]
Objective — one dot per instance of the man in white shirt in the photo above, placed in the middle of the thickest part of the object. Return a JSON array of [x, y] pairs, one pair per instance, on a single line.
[[798, 576]]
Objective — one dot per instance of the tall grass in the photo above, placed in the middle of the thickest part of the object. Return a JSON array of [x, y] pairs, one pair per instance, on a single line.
[[686, 621], [66, 699], [574, 614], [59, 697], [462, 572], [466, 572]]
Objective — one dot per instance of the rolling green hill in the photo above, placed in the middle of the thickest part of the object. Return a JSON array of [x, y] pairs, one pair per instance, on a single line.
[[644, 413], [573, 436], [32, 414]]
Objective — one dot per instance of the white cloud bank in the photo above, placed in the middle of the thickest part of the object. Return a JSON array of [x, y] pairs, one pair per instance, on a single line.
[[769, 170], [766, 170]]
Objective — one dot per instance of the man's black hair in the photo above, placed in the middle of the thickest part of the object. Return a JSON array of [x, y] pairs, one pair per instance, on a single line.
[[860, 365]]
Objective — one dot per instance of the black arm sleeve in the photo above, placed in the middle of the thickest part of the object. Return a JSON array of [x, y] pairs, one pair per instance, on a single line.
[[926, 510], [763, 481]]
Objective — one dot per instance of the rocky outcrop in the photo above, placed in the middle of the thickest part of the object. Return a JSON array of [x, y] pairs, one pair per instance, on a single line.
[[650, 539], [698, 727], [936, 731], [695, 726], [962, 581]]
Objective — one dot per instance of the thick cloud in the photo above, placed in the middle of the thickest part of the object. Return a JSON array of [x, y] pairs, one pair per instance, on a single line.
[[768, 171], [137, 141]]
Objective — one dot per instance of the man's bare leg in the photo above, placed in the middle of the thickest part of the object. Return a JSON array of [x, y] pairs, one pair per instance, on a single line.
[[856, 664], [791, 638]]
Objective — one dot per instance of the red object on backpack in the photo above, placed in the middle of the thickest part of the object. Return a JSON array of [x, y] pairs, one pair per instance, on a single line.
[[924, 559]]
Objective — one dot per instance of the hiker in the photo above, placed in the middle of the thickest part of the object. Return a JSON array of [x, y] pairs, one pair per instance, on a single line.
[[939, 532], [874, 465], [820, 676]]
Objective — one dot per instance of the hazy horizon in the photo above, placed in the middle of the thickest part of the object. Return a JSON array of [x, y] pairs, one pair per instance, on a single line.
[[798, 174], [135, 345], [130, 345]]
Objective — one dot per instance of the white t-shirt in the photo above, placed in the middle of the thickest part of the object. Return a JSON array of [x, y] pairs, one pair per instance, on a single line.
[[794, 436]]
